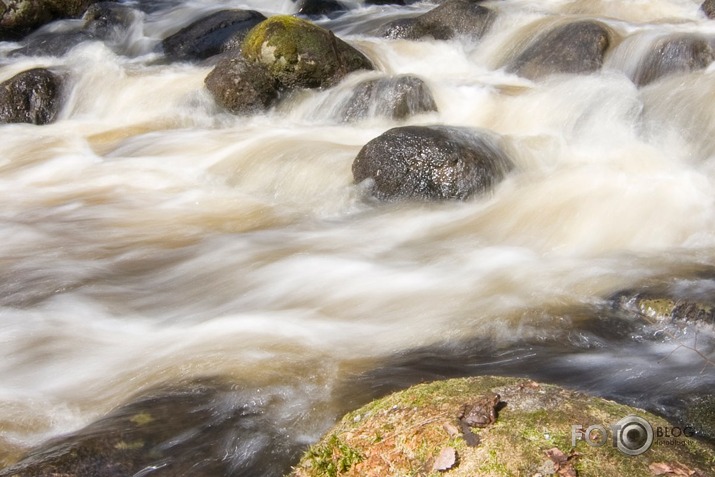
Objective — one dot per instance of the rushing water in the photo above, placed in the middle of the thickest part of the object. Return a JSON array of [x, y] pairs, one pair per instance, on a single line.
[[149, 237]]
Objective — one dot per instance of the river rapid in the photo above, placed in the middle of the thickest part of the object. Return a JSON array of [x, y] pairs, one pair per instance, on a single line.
[[150, 237]]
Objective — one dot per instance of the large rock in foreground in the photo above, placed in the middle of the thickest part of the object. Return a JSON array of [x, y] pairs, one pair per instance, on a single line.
[[493, 426], [219, 32], [32, 96], [431, 163], [20, 17], [299, 54], [575, 48]]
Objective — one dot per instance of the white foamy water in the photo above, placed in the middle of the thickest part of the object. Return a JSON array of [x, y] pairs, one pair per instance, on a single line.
[[149, 236]]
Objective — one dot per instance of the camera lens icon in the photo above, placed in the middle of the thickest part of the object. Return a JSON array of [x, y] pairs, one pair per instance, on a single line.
[[634, 435]]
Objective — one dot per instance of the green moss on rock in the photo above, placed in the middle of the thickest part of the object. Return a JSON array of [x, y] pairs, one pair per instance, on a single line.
[[402, 434], [300, 54]]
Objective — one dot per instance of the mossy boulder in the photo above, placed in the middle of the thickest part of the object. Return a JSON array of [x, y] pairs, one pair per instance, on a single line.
[[453, 18], [395, 98], [419, 432], [674, 54], [32, 96], [299, 54], [242, 87], [431, 163], [577, 47], [216, 33], [20, 17]]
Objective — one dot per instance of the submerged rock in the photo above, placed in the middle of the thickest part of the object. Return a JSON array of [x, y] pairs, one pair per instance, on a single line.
[[531, 433], [452, 18], [674, 54], [32, 96], [105, 20], [689, 301], [51, 44], [431, 163], [242, 87], [577, 47], [299, 54], [317, 8], [203, 428], [20, 17], [394, 98], [219, 32]]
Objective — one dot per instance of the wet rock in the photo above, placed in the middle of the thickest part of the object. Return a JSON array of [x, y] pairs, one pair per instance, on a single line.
[[299, 54], [242, 87], [385, 2], [203, 428], [20, 17], [219, 32], [32, 96], [674, 54], [431, 163], [105, 20], [670, 304], [394, 98], [51, 44], [317, 8], [404, 431], [452, 18], [577, 47], [708, 7]]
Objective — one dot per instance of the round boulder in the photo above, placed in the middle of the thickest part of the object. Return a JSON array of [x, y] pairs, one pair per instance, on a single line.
[[242, 87], [577, 47], [452, 18], [106, 19], [431, 163], [708, 7], [219, 32], [32, 96], [20, 17], [674, 54], [394, 98], [300, 54], [318, 8]]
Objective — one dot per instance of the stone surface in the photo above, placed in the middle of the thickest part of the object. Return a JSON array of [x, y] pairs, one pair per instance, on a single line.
[[431, 163], [395, 98], [219, 32], [452, 18], [242, 87], [576, 48], [674, 54], [21, 17], [32, 96], [299, 54]]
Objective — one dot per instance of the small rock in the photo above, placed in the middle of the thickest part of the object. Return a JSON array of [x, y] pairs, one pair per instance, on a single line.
[[32, 96], [393, 98], [445, 460], [708, 7], [673, 54], [452, 18], [106, 19], [317, 8], [577, 47]]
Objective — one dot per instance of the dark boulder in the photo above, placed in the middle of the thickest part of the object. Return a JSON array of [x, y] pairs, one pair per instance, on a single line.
[[674, 54], [20, 17], [106, 20], [242, 87], [452, 18], [577, 47], [708, 7], [394, 98], [204, 428], [299, 54], [317, 8], [32, 96], [385, 2], [219, 32], [431, 163]]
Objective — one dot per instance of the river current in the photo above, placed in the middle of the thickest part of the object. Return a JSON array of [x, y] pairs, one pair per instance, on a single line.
[[150, 237]]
